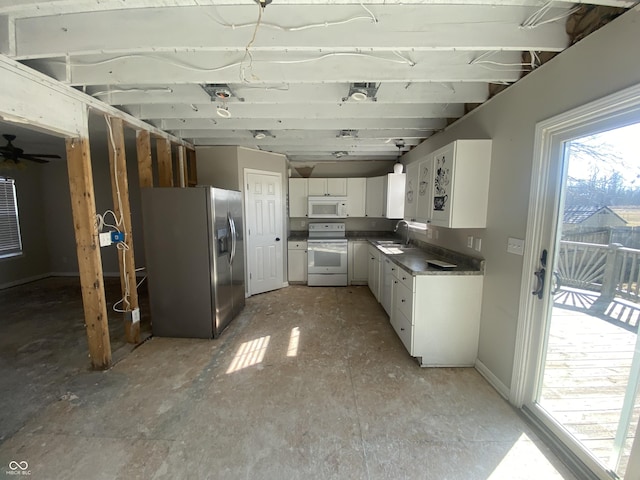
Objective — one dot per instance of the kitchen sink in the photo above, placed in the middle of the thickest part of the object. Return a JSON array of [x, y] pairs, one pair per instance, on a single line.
[[388, 242], [396, 248]]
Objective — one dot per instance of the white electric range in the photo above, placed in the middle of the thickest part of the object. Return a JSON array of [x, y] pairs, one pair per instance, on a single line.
[[327, 255]]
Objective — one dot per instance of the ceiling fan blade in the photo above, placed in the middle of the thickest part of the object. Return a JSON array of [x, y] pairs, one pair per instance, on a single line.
[[33, 158], [41, 155]]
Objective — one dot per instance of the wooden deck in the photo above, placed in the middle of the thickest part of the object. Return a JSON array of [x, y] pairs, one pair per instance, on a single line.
[[587, 369]]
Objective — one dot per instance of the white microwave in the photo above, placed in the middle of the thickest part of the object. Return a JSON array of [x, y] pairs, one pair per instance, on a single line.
[[327, 207]]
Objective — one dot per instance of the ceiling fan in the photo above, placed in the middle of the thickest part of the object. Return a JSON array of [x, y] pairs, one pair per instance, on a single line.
[[15, 154]]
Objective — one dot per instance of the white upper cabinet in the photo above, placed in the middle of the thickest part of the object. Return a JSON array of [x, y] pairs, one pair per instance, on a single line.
[[385, 196], [394, 195], [411, 192], [375, 197], [356, 196], [461, 184], [298, 204], [328, 186], [424, 190]]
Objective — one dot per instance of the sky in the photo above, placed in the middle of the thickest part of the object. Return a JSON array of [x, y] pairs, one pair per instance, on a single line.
[[624, 142]]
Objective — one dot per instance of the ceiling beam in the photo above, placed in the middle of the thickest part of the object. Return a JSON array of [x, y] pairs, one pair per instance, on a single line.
[[388, 92], [303, 28], [311, 143], [200, 67], [291, 124], [30, 8], [300, 110], [369, 135]]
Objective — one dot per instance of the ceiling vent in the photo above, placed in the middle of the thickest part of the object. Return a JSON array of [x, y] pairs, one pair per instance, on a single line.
[[360, 92], [220, 91], [348, 134]]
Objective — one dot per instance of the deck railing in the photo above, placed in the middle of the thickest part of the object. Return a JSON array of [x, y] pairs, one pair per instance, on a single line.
[[612, 270]]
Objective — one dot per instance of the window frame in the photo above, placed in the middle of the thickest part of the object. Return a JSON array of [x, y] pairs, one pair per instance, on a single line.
[[10, 234]]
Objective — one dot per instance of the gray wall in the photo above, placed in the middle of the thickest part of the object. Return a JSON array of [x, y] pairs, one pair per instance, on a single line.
[[601, 64], [224, 167], [57, 205], [46, 222]]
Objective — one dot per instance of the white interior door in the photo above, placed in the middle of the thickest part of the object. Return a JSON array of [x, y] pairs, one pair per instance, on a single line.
[[265, 235]]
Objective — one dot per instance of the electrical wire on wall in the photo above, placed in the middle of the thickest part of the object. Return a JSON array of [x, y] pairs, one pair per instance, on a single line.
[[119, 222], [248, 53]]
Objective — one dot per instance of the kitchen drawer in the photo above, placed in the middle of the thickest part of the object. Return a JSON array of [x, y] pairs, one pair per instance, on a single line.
[[404, 329], [301, 245], [405, 278], [403, 298]]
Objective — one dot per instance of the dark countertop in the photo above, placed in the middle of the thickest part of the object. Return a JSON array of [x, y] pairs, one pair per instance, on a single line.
[[414, 260]]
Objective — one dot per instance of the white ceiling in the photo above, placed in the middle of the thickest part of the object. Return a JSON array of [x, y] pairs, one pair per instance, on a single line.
[[288, 67]]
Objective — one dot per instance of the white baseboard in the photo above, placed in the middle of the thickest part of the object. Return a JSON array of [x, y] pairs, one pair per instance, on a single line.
[[22, 281], [64, 274], [488, 375]]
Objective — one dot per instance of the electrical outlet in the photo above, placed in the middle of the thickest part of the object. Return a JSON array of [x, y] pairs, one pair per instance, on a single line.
[[132, 316], [515, 246], [478, 244], [105, 239], [470, 241]]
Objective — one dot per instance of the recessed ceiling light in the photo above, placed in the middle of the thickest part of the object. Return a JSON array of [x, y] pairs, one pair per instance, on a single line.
[[259, 136], [358, 96], [222, 93], [340, 154], [223, 112]]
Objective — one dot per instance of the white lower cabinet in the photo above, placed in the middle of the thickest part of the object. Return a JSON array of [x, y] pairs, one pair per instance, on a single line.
[[297, 261], [386, 284], [437, 317], [374, 271], [358, 262]]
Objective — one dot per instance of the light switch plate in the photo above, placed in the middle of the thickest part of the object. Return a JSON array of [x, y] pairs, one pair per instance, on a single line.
[[515, 246], [478, 244], [470, 241]]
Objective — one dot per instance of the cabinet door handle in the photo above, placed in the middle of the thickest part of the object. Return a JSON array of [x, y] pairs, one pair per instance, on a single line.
[[401, 329], [395, 281], [404, 278], [402, 300]]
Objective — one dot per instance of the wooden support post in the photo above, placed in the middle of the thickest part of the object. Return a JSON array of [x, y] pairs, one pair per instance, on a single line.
[[145, 170], [83, 207], [182, 166], [165, 167], [122, 209], [192, 177]]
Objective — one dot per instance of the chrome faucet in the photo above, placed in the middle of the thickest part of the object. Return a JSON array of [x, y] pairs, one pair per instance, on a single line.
[[406, 240]]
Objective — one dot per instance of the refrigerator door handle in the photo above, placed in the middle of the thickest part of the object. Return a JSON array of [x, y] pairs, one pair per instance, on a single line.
[[232, 227]]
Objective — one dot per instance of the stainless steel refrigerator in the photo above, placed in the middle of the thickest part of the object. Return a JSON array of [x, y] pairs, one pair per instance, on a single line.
[[194, 258]]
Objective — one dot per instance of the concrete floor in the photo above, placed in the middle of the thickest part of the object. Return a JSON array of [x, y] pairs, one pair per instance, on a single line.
[[305, 383]]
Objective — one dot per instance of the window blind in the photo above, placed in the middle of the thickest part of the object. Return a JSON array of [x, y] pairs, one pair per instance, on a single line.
[[10, 241]]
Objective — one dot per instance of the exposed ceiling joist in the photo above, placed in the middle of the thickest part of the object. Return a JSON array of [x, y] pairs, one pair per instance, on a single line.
[[301, 75]]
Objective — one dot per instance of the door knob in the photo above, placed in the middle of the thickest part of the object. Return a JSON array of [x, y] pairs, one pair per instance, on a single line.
[[277, 239]]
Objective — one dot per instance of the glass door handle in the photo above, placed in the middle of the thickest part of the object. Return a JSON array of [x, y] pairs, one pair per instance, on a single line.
[[540, 275]]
